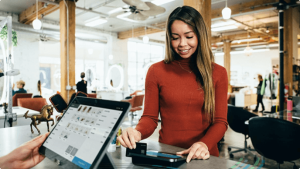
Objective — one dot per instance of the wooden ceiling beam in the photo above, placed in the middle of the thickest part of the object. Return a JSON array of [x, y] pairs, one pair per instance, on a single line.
[[240, 36], [216, 13], [29, 15]]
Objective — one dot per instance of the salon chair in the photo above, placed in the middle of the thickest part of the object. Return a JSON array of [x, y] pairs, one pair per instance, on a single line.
[[32, 103], [236, 117], [276, 139], [20, 95]]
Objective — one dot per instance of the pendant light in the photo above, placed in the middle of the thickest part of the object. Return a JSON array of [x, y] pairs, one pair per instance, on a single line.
[[145, 38], [248, 50], [226, 12], [37, 24]]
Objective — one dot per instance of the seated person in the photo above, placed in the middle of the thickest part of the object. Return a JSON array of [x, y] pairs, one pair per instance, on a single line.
[[20, 85], [82, 85]]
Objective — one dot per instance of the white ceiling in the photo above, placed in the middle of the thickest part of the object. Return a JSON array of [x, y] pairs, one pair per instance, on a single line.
[[17, 6]]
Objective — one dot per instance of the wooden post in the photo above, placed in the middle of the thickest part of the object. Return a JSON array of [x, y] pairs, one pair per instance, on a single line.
[[290, 46], [227, 49], [64, 49], [204, 7]]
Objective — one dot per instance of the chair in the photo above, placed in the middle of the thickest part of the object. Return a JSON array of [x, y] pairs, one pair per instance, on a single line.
[[81, 94], [32, 103], [92, 95], [20, 95], [58, 103], [236, 118], [37, 96], [275, 139], [136, 102]]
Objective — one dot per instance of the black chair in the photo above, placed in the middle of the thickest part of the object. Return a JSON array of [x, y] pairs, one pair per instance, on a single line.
[[81, 94], [275, 139], [58, 103], [236, 118], [37, 96]]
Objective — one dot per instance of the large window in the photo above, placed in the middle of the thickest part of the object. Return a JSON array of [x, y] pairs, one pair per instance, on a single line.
[[140, 57]]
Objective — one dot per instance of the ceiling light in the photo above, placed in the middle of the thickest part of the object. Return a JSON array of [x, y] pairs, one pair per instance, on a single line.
[[267, 31], [241, 52], [161, 2], [223, 24], [145, 39], [115, 10], [248, 50], [95, 21], [226, 12], [37, 24], [246, 40], [224, 28]]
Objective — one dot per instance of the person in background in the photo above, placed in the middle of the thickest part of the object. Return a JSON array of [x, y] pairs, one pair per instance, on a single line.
[[20, 86], [25, 156], [260, 93], [111, 83], [39, 87], [82, 85], [187, 89]]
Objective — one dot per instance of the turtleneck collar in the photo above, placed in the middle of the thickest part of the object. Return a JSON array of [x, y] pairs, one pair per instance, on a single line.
[[184, 63]]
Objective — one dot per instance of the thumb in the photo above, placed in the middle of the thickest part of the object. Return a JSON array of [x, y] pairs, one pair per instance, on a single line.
[[37, 142], [184, 151]]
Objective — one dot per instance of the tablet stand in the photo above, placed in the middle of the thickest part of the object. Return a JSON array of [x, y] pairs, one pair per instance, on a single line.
[[106, 162]]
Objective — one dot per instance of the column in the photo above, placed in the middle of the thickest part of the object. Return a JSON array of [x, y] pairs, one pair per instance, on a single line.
[[67, 63]]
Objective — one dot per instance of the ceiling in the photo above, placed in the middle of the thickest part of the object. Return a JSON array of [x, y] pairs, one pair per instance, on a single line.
[[260, 21]]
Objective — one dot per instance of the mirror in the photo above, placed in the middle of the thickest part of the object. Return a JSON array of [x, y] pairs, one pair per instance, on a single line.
[[115, 77]]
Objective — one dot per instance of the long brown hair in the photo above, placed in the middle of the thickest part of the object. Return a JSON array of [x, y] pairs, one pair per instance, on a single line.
[[39, 87], [201, 61]]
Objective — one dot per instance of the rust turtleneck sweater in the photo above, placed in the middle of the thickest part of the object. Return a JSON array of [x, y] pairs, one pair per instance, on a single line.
[[172, 91]]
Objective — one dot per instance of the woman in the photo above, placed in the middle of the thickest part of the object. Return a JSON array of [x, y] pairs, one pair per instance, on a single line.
[[259, 93], [82, 85], [187, 88]]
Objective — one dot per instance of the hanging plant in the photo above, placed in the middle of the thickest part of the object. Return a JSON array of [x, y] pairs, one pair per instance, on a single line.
[[3, 35]]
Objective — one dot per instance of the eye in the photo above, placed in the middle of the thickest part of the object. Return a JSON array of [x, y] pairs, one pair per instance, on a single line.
[[173, 38], [190, 37]]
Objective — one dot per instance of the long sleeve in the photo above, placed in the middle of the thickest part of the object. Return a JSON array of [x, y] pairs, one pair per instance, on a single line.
[[149, 119], [217, 130]]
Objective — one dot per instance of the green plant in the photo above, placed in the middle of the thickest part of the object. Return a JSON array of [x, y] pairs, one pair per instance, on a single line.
[[3, 35]]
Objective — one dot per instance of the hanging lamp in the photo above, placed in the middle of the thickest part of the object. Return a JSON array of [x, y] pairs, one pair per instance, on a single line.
[[145, 38], [37, 24], [226, 12], [248, 50]]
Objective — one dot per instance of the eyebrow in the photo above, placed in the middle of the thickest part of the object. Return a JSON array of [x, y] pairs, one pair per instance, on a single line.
[[184, 33]]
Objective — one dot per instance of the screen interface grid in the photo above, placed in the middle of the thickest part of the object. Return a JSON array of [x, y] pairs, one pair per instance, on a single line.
[[81, 133]]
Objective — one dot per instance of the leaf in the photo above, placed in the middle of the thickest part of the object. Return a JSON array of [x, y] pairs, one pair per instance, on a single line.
[[3, 35]]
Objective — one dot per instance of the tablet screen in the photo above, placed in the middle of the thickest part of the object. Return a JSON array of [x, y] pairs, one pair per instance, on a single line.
[[81, 133]]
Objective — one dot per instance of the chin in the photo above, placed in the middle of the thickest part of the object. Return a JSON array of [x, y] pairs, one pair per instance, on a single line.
[[185, 56]]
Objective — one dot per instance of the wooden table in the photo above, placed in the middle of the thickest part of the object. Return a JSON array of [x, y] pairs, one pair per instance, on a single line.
[[13, 137]]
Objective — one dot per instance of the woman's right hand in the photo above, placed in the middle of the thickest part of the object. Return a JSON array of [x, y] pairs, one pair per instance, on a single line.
[[129, 137]]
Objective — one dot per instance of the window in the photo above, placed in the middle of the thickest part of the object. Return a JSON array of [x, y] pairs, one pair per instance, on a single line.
[[140, 57]]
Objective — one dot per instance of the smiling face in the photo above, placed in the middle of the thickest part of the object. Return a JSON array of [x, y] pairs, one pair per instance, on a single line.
[[184, 41]]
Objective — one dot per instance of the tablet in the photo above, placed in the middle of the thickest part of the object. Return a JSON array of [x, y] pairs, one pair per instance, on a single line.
[[81, 137]]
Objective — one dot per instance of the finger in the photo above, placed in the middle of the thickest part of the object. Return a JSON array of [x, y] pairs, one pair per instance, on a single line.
[[121, 141], [37, 142], [207, 155], [184, 152], [197, 154], [126, 140], [202, 155], [190, 156], [132, 140]]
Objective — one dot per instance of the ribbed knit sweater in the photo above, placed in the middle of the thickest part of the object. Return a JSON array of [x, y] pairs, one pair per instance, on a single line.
[[172, 91]]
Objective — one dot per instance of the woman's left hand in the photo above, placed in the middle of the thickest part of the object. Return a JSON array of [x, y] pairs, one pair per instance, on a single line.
[[198, 150]]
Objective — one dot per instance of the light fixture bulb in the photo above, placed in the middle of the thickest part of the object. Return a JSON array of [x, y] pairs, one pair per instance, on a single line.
[[226, 13], [248, 51], [267, 31], [37, 24], [145, 39], [111, 57]]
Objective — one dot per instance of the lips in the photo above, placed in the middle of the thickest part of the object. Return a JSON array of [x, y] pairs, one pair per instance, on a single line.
[[183, 51]]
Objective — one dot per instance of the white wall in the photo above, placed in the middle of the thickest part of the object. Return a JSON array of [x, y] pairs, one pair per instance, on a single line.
[[26, 59], [248, 67]]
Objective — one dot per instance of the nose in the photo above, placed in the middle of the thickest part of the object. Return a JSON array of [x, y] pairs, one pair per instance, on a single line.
[[182, 42]]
